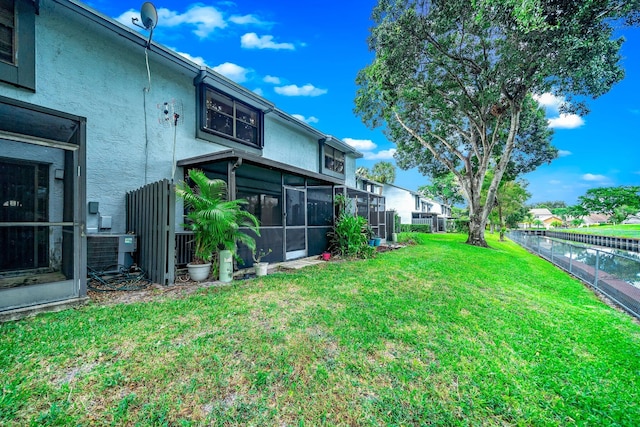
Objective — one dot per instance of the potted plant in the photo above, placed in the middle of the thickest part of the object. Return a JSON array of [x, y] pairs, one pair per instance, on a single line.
[[368, 232], [215, 222], [260, 267]]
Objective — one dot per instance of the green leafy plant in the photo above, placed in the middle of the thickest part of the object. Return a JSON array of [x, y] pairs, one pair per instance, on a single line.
[[258, 255], [215, 220], [415, 228], [349, 237], [351, 233]]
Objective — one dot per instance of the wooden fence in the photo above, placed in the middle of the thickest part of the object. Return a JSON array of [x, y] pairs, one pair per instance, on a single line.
[[151, 216]]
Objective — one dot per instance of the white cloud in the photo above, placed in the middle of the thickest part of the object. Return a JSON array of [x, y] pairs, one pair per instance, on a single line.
[[258, 91], [306, 90], [380, 155], [126, 18], [564, 153], [594, 177], [555, 182], [272, 79], [233, 71], [205, 19], [252, 41], [360, 144], [566, 121], [247, 20], [309, 120], [550, 101], [197, 59]]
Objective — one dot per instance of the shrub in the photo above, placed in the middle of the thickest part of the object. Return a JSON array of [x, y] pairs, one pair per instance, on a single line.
[[415, 228], [349, 237], [459, 225]]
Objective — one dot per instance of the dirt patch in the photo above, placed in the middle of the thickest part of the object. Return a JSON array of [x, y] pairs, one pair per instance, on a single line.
[[152, 292]]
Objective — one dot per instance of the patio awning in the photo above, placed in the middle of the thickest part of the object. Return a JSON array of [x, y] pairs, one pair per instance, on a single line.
[[243, 157]]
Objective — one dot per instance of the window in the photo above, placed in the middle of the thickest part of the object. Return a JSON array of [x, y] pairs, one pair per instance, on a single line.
[[227, 117], [333, 160], [17, 43], [7, 31]]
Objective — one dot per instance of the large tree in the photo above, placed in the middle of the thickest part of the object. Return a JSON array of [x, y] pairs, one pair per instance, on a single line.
[[453, 81], [618, 202], [444, 188], [382, 172]]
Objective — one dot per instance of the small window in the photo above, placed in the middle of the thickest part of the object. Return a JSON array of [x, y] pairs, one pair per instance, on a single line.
[[229, 118], [333, 160], [17, 43], [7, 31]]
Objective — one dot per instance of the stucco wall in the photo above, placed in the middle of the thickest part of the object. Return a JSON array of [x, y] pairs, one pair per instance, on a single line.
[[286, 144], [400, 200]]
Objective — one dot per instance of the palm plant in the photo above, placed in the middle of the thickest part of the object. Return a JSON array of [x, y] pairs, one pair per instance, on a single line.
[[215, 220]]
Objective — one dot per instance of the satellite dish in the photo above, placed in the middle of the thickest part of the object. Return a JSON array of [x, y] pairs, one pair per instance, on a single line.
[[149, 15]]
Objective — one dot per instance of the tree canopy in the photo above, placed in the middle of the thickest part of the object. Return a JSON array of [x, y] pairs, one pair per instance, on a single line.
[[619, 202], [444, 188], [382, 172], [452, 81]]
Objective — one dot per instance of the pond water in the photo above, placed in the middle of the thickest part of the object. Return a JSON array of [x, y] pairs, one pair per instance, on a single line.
[[623, 265]]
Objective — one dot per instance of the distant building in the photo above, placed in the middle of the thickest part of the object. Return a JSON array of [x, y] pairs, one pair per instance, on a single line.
[[410, 206], [545, 215]]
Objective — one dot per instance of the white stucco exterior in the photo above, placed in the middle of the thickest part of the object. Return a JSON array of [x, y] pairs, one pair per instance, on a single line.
[[406, 202]]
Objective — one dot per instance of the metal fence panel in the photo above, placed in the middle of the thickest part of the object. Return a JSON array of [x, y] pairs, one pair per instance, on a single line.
[[615, 275]]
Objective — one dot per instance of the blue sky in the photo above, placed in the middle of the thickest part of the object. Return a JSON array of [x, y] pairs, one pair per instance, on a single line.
[[304, 57]]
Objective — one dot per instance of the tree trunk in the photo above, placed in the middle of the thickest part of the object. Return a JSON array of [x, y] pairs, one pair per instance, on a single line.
[[476, 231], [501, 221]]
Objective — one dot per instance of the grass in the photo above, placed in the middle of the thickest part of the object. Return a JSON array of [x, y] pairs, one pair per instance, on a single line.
[[439, 333], [620, 230]]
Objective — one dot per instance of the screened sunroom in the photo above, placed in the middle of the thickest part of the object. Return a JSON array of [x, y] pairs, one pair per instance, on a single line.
[[294, 206], [41, 199]]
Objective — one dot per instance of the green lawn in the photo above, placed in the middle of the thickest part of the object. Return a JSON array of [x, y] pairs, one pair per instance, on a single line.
[[620, 230], [435, 334]]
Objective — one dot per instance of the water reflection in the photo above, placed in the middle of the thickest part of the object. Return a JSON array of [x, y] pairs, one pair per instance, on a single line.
[[623, 265]]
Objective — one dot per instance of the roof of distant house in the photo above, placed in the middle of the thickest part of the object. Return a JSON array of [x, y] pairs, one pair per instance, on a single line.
[[538, 212]]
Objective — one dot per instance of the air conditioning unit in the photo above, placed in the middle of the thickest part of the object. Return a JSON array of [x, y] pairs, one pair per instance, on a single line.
[[107, 251]]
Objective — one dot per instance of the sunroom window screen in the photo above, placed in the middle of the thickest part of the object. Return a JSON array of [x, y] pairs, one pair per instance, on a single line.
[[262, 188]]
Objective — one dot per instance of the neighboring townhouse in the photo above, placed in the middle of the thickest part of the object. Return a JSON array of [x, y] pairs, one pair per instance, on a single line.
[[410, 206], [92, 141]]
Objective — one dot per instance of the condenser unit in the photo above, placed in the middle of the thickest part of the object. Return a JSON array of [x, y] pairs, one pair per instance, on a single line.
[[108, 251]]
